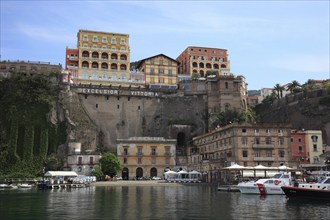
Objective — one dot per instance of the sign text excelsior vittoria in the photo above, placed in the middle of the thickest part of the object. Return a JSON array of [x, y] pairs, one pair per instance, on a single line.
[[117, 92]]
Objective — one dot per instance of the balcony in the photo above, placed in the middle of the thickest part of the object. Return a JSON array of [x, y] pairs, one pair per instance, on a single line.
[[263, 159], [263, 146]]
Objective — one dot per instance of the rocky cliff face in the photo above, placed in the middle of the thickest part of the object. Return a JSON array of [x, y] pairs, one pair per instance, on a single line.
[[305, 110]]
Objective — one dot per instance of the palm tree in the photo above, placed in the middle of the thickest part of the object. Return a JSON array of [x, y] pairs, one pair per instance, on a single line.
[[279, 91], [293, 86]]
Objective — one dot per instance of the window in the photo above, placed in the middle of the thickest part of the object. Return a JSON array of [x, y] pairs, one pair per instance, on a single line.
[[95, 39], [257, 153], [280, 132], [267, 131], [281, 153], [113, 40], [170, 72], [104, 39], [256, 131], [152, 71], [139, 151], [257, 140], [125, 160], [80, 160], [125, 151], [280, 141], [139, 160], [85, 38], [245, 153], [161, 71], [268, 153], [244, 140], [244, 130], [122, 41], [268, 140], [300, 149], [291, 140], [314, 147], [91, 160], [299, 140], [314, 138], [153, 151]]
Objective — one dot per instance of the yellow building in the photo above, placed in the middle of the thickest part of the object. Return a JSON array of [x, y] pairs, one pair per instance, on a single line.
[[146, 156], [103, 58], [160, 71], [314, 146]]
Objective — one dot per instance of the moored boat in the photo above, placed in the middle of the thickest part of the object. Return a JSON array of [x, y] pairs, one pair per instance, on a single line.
[[271, 186], [319, 190]]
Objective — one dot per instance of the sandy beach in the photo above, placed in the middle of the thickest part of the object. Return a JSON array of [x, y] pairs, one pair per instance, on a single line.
[[135, 183]]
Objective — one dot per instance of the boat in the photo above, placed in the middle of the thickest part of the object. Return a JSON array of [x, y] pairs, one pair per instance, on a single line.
[[270, 186], [319, 190], [24, 186], [7, 186]]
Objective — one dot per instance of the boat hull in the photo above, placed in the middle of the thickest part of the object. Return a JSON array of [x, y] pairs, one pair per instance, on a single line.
[[306, 193]]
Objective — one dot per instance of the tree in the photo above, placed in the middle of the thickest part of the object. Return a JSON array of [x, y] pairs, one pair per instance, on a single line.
[[110, 164], [293, 86], [97, 172], [279, 91]]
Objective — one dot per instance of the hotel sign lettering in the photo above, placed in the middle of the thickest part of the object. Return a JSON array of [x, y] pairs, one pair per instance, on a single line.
[[117, 92]]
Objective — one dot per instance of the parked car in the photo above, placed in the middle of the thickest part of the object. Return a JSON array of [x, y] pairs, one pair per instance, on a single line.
[[156, 178], [119, 178]]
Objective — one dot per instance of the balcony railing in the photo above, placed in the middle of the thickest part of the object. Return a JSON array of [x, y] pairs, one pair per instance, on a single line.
[[263, 159], [264, 146]]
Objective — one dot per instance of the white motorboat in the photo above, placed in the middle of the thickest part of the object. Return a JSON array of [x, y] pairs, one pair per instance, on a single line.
[[24, 186], [271, 186]]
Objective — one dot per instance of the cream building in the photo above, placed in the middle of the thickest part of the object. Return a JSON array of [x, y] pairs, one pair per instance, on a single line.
[[160, 71], [104, 58], [146, 156], [314, 145]]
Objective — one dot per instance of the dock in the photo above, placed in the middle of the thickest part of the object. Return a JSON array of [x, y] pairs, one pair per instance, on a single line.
[[228, 188]]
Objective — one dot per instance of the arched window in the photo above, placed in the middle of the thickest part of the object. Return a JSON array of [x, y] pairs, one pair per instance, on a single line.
[[153, 172], [223, 66], [139, 172], [95, 76], [194, 64], [201, 65]]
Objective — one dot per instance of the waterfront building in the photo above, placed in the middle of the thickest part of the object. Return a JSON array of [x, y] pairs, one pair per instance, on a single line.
[[298, 148], [82, 163], [146, 156], [246, 144], [203, 61], [160, 71], [9, 68]]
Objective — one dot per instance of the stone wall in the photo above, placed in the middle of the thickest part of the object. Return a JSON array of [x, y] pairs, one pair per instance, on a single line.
[[122, 117]]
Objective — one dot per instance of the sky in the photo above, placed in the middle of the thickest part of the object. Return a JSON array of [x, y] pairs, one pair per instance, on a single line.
[[268, 42]]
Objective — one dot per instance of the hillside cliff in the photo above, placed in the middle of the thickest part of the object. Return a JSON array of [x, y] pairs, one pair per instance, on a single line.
[[305, 110]]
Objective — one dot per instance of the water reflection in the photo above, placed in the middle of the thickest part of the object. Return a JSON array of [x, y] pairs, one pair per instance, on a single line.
[[153, 202]]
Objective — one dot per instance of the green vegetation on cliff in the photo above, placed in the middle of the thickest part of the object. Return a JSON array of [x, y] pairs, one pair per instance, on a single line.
[[27, 138]]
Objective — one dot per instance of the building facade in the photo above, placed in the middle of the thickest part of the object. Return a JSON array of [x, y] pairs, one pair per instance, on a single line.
[[160, 71], [314, 144], [10, 68], [101, 58], [244, 144], [82, 163], [299, 148], [198, 61], [146, 156]]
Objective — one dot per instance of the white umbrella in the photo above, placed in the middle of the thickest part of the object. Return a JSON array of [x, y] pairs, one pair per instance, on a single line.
[[235, 167], [284, 168]]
